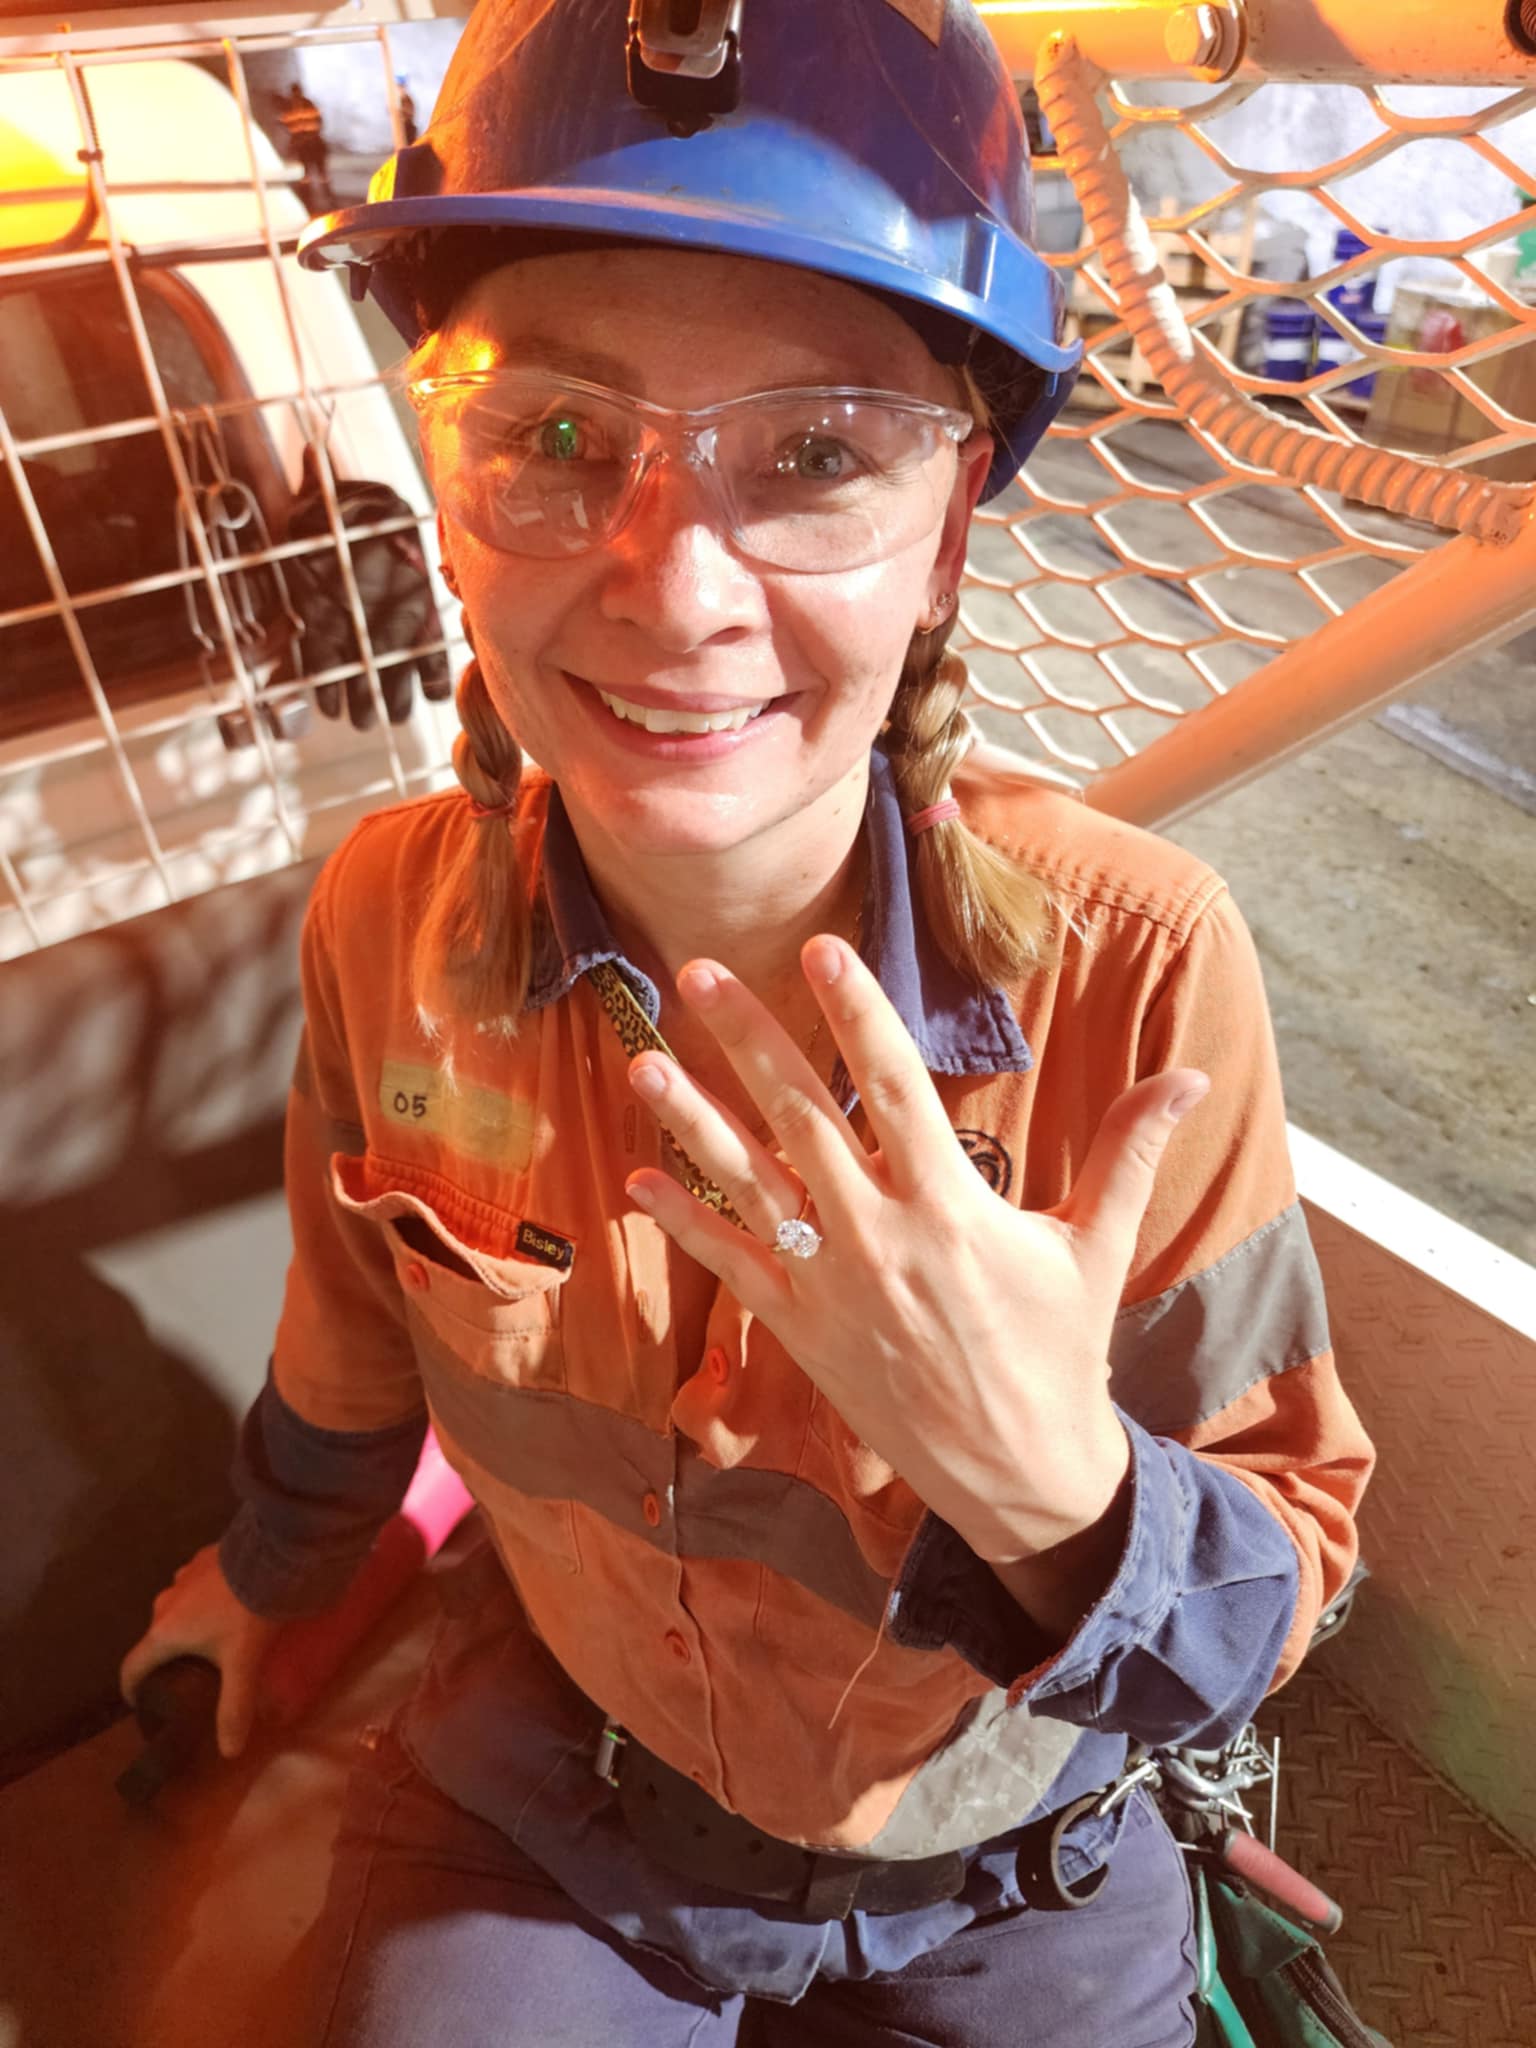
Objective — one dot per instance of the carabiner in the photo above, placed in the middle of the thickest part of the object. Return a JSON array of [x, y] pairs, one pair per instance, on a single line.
[[1143, 1772]]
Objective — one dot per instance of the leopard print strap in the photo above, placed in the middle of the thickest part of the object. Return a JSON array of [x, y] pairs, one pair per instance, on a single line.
[[638, 1034]]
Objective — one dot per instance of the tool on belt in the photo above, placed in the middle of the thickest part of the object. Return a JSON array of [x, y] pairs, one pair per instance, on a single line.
[[1264, 1981]]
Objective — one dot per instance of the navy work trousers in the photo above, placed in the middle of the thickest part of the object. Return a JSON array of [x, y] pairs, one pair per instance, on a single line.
[[439, 1933]]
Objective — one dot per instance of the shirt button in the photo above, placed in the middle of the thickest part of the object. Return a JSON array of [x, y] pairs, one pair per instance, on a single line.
[[699, 1779], [415, 1277], [650, 1507], [717, 1365], [677, 1646]]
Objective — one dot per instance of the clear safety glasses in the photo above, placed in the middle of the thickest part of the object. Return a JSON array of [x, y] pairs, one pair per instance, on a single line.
[[809, 479]]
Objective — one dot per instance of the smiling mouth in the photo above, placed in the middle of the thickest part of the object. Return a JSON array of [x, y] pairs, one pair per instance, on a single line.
[[654, 719]]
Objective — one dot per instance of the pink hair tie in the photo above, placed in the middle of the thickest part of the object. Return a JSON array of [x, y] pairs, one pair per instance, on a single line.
[[480, 810], [936, 814]]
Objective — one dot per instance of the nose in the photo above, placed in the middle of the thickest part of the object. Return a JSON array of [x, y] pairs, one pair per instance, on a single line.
[[671, 571]]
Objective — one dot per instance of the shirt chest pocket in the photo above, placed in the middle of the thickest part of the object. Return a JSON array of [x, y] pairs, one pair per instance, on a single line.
[[487, 1335], [493, 1369], [508, 1333]]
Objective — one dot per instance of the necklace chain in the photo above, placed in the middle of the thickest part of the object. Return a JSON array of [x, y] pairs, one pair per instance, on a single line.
[[638, 1034]]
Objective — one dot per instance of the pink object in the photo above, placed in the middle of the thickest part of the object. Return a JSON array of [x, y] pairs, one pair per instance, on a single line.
[[1287, 1887], [480, 810], [936, 814], [308, 1654]]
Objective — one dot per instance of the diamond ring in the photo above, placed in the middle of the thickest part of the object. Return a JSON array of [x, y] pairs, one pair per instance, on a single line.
[[794, 1235]]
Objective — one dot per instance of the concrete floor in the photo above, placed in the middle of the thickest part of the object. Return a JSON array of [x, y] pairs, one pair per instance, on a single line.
[[1393, 901]]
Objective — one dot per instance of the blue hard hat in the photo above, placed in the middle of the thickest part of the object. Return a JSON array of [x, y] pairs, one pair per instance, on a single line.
[[877, 141]]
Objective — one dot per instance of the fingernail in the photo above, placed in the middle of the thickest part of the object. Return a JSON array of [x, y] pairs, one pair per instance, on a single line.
[[823, 961], [650, 1081], [1182, 1104], [699, 984], [640, 1195]]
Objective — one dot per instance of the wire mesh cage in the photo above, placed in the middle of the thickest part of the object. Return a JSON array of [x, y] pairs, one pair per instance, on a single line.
[[188, 421], [1360, 260], [219, 638]]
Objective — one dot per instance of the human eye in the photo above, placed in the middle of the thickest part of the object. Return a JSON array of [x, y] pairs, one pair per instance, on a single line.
[[562, 438], [818, 457], [836, 448], [557, 438], [525, 426]]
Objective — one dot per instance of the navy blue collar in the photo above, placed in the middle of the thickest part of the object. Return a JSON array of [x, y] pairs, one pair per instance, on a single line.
[[956, 1026]]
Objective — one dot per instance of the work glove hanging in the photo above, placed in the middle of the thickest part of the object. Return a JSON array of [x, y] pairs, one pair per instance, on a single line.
[[395, 590]]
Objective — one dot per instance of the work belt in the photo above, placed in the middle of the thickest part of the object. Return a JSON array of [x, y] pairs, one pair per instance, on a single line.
[[682, 1827], [676, 1822]]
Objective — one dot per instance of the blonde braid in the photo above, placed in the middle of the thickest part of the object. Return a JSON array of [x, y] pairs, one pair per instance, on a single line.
[[988, 914], [473, 950]]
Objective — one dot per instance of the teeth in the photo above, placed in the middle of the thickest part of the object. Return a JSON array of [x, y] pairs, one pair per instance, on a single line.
[[656, 720]]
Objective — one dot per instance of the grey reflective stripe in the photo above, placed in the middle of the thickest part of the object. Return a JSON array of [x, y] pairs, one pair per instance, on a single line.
[[554, 1447], [770, 1518], [546, 1443], [996, 1765], [1187, 1354]]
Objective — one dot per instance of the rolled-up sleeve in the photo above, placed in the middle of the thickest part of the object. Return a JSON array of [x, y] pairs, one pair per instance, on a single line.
[[1181, 1645], [312, 1501]]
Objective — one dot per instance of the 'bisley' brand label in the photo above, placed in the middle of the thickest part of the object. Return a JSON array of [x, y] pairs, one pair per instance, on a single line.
[[478, 1122], [547, 1246]]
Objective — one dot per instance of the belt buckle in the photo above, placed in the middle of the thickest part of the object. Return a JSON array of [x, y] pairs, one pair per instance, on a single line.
[[609, 1743]]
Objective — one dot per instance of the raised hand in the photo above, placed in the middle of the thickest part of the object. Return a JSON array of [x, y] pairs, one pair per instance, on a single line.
[[965, 1341]]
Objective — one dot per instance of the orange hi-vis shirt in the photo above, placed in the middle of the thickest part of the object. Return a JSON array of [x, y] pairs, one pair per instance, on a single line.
[[700, 1541]]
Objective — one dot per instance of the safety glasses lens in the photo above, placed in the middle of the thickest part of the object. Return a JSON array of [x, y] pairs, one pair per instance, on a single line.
[[802, 481], [530, 467], [828, 484]]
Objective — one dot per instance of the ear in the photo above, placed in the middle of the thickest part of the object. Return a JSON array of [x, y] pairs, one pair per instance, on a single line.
[[449, 575], [970, 480]]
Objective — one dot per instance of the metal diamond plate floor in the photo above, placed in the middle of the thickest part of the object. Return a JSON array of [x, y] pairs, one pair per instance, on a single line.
[[1438, 1947], [1442, 1642]]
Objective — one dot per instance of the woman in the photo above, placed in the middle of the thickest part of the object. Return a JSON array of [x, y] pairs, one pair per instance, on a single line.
[[854, 1493]]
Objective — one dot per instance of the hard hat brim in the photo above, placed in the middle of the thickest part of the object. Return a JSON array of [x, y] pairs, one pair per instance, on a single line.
[[1019, 309], [1019, 306]]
